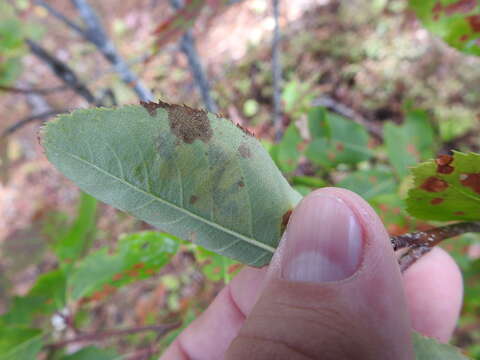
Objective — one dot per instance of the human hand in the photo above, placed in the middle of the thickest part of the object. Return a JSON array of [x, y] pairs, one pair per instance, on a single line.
[[332, 291]]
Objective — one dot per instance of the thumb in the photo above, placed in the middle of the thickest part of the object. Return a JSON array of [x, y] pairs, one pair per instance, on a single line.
[[333, 289]]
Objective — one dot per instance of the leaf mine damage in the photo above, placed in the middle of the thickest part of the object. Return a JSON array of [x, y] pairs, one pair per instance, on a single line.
[[434, 184], [186, 123]]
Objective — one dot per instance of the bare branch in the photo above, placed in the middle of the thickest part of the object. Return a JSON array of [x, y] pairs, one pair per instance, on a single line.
[[277, 73], [61, 17], [43, 91], [42, 116], [96, 34], [421, 242], [161, 330], [62, 71], [187, 46]]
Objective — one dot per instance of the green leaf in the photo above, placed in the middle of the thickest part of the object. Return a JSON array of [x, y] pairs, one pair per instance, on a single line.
[[369, 183], [92, 353], [430, 349], [45, 297], [74, 243], [215, 267], [139, 256], [185, 171], [20, 343], [409, 143], [457, 22], [447, 188], [342, 141], [310, 181], [285, 153], [318, 124]]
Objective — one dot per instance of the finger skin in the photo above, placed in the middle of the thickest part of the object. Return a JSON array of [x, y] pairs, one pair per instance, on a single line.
[[434, 290], [202, 341]]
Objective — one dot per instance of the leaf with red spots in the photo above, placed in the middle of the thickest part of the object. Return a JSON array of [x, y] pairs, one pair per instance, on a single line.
[[335, 140], [216, 267], [285, 153], [457, 22], [447, 188], [370, 183], [138, 256]]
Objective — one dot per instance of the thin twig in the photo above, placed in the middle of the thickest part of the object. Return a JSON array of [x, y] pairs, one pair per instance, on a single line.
[[421, 242], [43, 91], [97, 336], [434, 236], [277, 73], [62, 71], [96, 34], [19, 124], [188, 47]]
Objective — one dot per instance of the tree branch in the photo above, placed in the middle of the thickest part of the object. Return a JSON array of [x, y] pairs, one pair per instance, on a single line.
[[62, 71], [97, 336], [19, 124], [277, 73], [96, 34], [42, 91], [421, 242], [187, 46]]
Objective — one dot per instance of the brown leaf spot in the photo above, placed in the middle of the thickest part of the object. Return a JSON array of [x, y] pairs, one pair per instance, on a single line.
[[460, 7], [193, 199], [472, 181], [285, 219], [340, 146], [443, 164], [373, 179], [117, 277], [244, 151], [331, 156], [412, 149], [436, 201], [139, 266], [459, 213], [474, 22], [463, 38], [186, 123], [241, 183], [434, 184], [149, 271], [132, 273]]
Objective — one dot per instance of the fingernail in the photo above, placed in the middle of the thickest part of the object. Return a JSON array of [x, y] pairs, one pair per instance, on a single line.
[[323, 241]]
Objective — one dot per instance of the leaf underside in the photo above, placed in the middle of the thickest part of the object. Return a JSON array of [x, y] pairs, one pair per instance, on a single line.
[[187, 172]]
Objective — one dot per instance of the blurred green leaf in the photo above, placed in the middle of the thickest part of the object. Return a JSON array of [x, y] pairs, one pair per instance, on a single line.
[[285, 153], [77, 239], [369, 183], [92, 353], [430, 349], [410, 142], [18, 343], [318, 124], [457, 22], [342, 141], [447, 188], [138, 256], [45, 297], [310, 181], [216, 267]]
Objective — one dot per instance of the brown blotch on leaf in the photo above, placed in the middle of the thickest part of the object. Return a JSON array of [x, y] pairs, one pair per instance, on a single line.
[[436, 201], [186, 123], [474, 22], [241, 183], [193, 199], [340, 146], [285, 219], [434, 184], [244, 151], [472, 181], [443, 164], [463, 38], [459, 213]]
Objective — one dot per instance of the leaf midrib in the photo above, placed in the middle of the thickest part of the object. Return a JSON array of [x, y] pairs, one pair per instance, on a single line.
[[176, 207]]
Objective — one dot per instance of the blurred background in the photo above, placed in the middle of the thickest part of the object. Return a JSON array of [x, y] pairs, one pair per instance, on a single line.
[[369, 66]]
